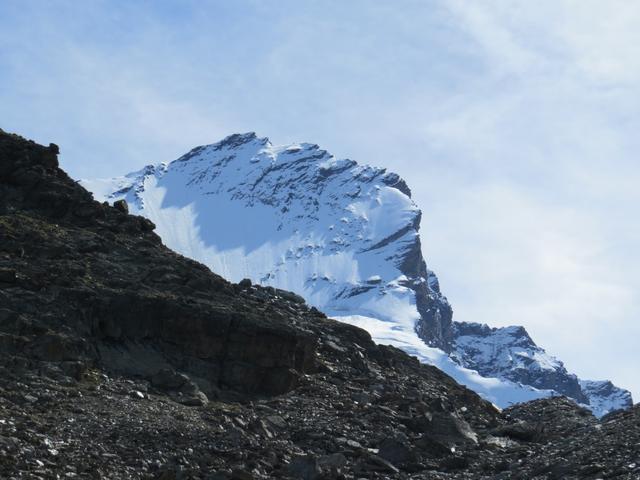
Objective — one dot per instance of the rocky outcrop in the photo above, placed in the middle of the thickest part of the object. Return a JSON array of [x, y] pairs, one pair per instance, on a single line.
[[436, 314]]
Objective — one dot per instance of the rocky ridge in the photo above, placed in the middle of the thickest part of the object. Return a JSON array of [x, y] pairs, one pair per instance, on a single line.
[[346, 238]]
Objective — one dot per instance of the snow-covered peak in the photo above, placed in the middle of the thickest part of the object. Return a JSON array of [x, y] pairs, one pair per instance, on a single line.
[[290, 216], [342, 235]]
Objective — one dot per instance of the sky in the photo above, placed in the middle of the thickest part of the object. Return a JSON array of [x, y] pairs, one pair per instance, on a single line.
[[515, 123]]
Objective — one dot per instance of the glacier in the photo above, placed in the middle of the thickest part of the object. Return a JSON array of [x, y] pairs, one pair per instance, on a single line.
[[345, 237]]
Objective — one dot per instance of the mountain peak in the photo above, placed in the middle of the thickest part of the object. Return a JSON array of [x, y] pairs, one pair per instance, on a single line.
[[344, 236]]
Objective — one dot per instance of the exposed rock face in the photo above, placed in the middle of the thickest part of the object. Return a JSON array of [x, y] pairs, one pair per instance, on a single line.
[[122, 359], [436, 314], [345, 237]]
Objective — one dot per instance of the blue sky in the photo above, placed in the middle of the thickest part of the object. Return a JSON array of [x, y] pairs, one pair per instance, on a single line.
[[515, 124]]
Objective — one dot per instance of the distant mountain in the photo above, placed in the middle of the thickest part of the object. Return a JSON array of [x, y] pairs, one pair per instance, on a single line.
[[345, 237]]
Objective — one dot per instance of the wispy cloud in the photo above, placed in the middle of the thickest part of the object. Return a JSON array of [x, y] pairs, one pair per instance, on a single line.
[[553, 125]]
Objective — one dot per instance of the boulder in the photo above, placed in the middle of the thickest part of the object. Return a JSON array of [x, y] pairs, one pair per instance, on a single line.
[[121, 206]]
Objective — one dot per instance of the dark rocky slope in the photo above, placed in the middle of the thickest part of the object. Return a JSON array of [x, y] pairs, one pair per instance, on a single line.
[[122, 359]]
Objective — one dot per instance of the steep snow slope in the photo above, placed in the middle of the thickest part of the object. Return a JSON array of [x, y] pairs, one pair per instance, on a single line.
[[342, 235]]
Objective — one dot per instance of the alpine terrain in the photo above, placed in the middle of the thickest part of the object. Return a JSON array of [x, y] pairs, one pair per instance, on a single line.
[[121, 359], [345, 237]]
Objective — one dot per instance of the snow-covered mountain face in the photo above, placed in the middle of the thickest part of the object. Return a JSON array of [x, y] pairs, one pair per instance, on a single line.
[[605, 397], [342, 235], [510, 353], [345, 237]]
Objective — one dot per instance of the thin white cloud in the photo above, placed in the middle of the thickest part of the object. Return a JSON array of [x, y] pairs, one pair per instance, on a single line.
[[553, 122]]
